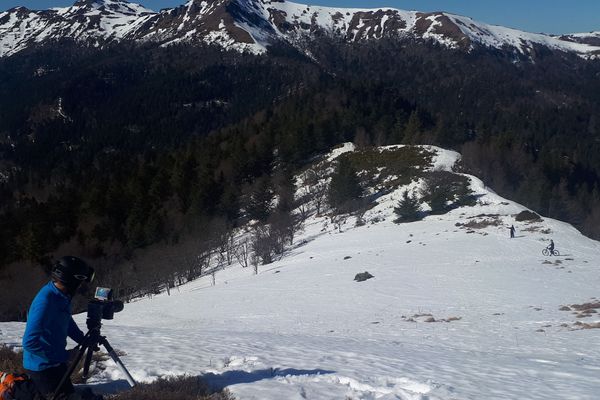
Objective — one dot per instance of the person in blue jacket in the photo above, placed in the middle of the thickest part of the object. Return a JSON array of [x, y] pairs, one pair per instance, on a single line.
[[49, 322]]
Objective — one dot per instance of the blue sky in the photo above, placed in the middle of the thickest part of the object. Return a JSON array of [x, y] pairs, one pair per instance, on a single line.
[[550, 16]]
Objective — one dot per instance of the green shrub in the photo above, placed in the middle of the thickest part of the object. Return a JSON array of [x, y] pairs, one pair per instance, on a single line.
[[403, 164], [445, 190]]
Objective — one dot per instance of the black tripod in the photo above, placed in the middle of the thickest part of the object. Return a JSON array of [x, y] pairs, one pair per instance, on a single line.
[[93, 339]]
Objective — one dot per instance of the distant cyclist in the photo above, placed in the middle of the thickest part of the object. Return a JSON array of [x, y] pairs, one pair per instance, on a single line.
[[549, 250]]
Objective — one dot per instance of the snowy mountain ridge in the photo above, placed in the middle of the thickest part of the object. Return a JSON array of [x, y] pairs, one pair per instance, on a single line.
[[456, 310], [253, 25], [93, 22]]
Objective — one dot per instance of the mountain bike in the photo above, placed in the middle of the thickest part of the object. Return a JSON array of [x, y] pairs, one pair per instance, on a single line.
[[546, 252]]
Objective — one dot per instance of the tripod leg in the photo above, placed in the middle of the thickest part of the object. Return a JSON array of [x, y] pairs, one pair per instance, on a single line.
[[69, 372], [117, 360], [88, 360]]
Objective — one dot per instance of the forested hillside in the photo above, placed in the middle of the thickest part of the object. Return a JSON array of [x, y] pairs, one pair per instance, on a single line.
[[124, 151]]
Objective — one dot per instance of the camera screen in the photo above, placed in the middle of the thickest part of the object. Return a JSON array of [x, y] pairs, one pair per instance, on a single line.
[[103, 294]]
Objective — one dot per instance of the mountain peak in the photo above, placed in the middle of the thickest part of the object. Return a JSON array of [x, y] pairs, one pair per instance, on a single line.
[[113, 5], [253, 25], [90, 3]]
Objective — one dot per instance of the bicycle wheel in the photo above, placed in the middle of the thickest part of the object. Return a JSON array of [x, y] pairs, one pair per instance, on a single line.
[[556, 253], [546, 252]]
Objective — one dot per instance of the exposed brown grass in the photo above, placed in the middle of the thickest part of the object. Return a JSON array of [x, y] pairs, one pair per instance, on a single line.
[[482, 223], [529, 216], [584, 310], [10, 361], [583, 325], [585, 306], [96, 366], [429, 318], [175, 388]]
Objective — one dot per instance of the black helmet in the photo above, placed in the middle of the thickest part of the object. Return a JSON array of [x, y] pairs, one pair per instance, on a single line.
[[72, 271]]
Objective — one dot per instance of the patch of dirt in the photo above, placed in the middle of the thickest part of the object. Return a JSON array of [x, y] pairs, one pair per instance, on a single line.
[[529, 216], [584, 310], [480, 223], [429, 318], [531, 229], [485, 215], [586, 306], [582, 325]]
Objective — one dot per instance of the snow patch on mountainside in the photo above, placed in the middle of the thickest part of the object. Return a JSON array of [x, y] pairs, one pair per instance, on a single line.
[[499, 37]]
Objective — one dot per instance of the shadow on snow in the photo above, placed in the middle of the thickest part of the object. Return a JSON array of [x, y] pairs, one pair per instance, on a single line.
[[220, 381]]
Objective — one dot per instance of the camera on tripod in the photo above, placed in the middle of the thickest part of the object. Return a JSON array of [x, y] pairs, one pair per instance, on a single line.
[[102, 306]]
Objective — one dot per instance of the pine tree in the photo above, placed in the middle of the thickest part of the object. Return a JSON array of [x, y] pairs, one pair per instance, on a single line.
[[413, 129], [30, 245], [408, 208], [345, 191], [259, 198]]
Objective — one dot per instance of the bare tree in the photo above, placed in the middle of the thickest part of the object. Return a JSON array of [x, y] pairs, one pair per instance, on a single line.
[[203, 260], [360, 216], [314, 185], [224, 240], [242, 252], [303, 206], [338, 220], [263, 245], [255, 260]]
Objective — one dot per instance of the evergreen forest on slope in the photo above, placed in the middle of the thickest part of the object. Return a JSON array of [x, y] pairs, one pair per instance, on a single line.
[[108, 152]]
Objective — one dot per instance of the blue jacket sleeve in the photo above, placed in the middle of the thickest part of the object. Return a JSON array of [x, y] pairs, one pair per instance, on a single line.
[[74, 332]]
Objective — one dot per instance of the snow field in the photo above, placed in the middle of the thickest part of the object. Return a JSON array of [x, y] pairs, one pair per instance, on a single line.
[[304, 329]]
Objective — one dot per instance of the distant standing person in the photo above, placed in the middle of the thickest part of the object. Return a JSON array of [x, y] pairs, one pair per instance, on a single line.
[[551, 247], [512, 231]]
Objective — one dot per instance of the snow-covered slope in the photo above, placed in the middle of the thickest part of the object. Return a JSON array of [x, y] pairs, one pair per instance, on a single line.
[[591, 38], [93, 22], [253, 25], [304, 329]]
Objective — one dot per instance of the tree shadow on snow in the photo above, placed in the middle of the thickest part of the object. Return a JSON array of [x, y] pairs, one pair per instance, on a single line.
[[221, 381]]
